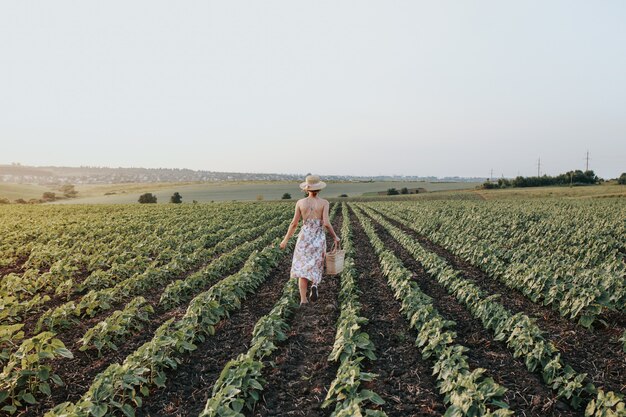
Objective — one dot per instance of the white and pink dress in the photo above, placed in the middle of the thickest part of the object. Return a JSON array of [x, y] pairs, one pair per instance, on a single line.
[[308, 256]]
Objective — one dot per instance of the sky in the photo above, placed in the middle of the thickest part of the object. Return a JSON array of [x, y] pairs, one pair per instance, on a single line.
[[428, 88]]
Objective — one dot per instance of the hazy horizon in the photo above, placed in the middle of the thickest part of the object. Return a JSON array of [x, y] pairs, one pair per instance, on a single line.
[[302, 174], [364, 88]]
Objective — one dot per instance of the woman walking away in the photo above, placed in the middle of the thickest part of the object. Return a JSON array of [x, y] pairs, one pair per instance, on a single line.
[[308, 256]]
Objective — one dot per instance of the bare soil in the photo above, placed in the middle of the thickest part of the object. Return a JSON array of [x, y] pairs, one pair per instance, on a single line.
[[298, 384], [526, 394], [404, 379], [78, 373], [595, 352]]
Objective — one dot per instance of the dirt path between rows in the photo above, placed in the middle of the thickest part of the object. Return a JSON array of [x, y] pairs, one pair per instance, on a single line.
[[298, 384], [70, 336], [595, 352], [189, 386], [78, 373], [526, 394], [15, 267], [404, 379]]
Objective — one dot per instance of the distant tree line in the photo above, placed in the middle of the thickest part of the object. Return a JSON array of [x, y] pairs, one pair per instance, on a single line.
[[149, 198], [393, 191], [576, 177]]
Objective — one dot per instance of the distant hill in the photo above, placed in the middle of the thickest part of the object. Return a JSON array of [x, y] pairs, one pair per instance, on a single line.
[[16, 173]]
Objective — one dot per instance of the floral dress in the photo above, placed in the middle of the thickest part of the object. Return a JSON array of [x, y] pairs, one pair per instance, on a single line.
[[308, 256]]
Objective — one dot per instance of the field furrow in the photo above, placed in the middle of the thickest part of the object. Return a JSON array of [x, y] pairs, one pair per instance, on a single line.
[[566, 255], [457, 308], [523, 338], [121, 387], [404, 379], [526, 393], [595, 352], [467, 390], [298, 384], [78, 373], [189, 386]]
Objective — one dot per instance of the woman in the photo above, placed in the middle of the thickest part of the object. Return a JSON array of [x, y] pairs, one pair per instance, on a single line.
[[308, 256]]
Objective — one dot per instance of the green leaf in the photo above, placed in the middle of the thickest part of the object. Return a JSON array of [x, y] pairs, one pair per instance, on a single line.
[[500, 404], [45, 389], [586, 321], [160, 379], [64, 352], [128, 410], [372, 396], [98, 410], [57, 380], [29, 398], [3, 396], [43, 374], [255, 384], [237, 405]]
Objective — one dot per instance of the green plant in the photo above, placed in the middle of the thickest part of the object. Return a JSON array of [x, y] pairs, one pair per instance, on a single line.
[[467, 392], [352, 345], [112, 330], [147, 198], [122, 386], [27, 372], [522, 336], [9, 336]]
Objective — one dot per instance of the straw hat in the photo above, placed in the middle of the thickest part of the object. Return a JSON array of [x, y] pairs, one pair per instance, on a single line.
[[312, 183]]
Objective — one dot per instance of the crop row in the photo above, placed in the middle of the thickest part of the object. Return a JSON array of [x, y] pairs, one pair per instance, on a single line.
[[352, 345], [522, 336], [181, 290], [100, 246], [113, 330], [466, 392], [29, 231], [18, 388], [117, 326], [240, 382], [123, 386], [149, 252], [98, 300], [565, 255]]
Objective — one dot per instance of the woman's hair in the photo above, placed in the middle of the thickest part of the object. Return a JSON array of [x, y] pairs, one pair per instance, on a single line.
[[315, 192]]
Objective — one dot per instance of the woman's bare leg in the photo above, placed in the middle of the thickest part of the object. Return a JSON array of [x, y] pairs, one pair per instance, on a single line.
[[303, 285]]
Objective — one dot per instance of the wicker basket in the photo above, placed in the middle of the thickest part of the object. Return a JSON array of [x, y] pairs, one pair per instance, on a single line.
[[334, 260]]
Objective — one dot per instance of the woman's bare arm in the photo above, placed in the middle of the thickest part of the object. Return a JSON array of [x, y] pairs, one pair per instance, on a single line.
[[325, 219], [292, 226]]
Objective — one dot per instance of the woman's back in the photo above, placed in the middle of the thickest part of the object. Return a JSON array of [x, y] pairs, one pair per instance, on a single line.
[[312, 208]]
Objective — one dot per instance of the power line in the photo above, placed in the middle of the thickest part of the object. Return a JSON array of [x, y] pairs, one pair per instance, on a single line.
[[539, 167]]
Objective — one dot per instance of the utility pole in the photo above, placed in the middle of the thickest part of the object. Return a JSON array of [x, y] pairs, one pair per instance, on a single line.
[[491, 175], [538, 167], [587, 161]]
